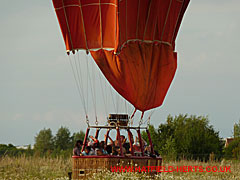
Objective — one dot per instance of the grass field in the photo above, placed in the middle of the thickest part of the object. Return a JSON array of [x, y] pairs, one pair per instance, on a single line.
[[57, 168]]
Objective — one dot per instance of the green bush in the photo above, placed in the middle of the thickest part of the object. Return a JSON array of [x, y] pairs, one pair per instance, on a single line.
[[186, 137], [232, 151]]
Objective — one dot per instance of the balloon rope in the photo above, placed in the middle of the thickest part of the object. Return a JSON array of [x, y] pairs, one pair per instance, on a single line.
[[103, 94], [149, 117], [149, 8], [137, 18], [84, 30], [116, 102], [105, 87], [93, 94], [163, 30], [116, 16], [78, 86], [87, 78], [80, 80], [94, 90], [100, 19], [173, 35], [126, 20], [114, 106], [125, 105]]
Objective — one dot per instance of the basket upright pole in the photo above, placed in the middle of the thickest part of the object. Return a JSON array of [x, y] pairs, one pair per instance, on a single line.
[[140, 141], [85, 139], [119, 140], [97, 133], [150, 141], [131, 142]]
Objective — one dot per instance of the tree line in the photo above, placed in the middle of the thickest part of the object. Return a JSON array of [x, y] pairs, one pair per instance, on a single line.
[[60, 144], [191, 137], [47, 144], [180, 137]]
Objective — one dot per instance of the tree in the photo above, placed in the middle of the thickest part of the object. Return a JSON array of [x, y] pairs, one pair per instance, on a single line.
[[154, 135], [78, 136], [63, 140], [188, 137], [44, 141], [233, 149], [236, 130], [195, 138], [170, 149]]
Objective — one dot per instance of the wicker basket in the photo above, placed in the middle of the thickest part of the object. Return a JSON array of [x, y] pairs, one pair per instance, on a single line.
[[85, 166]]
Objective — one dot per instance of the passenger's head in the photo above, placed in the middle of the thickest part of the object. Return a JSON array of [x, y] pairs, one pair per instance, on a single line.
[[101, 144], [98, 152], [127, 147], [87, 149], [147, 149], [90, 143], [118, 150], [122, 138], [95, 145], [109, 149], [115, 150], [78, 143]]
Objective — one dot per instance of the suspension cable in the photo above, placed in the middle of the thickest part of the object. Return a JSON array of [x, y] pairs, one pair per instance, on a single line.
[[140, 122], [149, 118], [92, 87], [148, 122], [86, 61], [125, 105], [80, 80], [77, 85], [117, 102], [103, 94], [114, 106], [94, 92]]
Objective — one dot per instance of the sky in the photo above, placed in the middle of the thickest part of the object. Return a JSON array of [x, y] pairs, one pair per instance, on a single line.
[[37, 88]]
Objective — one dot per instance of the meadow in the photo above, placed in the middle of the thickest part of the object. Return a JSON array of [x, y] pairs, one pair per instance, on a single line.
[[38, 168]]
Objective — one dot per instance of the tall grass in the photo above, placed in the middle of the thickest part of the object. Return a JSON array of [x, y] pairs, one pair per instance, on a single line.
[[34, 168], [233, 175]]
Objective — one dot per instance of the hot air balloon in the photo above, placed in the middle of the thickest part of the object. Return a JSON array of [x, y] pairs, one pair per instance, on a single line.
[[132, 43]]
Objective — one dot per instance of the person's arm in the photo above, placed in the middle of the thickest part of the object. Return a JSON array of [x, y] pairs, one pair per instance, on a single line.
[[76, 152], [144, 142], [93, 138], [136, 140], [109, 138]]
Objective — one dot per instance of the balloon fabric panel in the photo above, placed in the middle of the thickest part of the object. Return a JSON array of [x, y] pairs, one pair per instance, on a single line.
[[132, 42]]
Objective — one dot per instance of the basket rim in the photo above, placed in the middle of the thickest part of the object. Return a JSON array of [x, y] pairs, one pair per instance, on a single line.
[[117, 157]]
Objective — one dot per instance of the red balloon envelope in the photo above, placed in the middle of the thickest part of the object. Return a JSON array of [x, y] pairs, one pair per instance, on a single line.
[[132, 42]]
